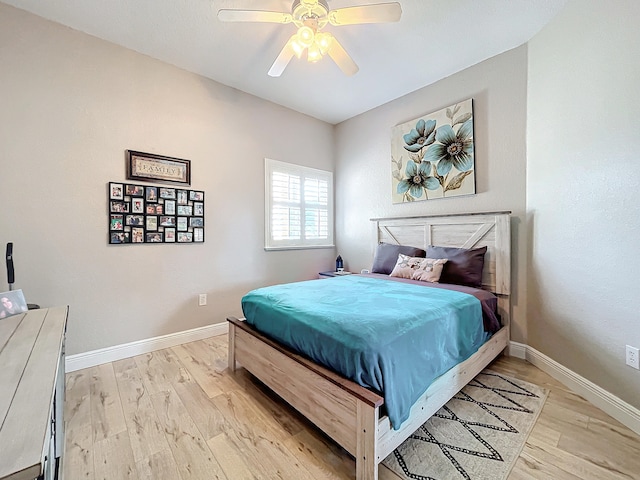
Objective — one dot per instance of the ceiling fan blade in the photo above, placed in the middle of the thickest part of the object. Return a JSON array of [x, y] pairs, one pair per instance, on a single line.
[[339, 55], [378, 13], [285, 56], [225, 15]]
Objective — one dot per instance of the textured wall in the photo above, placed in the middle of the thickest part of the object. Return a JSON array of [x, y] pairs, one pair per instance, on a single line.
[[583, 179], [70, 106], [363, 162]]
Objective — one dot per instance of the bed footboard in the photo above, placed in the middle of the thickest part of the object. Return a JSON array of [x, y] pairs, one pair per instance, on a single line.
[[344, 410]]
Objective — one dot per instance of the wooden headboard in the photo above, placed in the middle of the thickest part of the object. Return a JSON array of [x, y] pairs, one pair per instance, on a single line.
[[472, 230]]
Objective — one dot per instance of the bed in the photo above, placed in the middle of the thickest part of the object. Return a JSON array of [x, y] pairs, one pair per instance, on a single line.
[[352, 415]]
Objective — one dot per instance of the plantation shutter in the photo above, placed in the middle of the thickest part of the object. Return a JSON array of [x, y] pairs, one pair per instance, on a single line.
[[299, 211]]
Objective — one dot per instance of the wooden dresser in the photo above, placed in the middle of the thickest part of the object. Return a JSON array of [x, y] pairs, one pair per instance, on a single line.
[[32, 394]]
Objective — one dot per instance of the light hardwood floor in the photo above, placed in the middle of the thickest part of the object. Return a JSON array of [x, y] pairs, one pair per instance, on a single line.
[[178, 414]]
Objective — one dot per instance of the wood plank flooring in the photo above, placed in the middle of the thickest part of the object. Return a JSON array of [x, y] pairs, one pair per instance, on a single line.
[[178, 414]]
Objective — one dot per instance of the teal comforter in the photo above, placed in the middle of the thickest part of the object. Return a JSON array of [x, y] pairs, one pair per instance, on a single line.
[[394, 338]]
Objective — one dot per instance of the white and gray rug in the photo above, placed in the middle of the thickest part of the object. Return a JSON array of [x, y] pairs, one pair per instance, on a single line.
[[477, 435]]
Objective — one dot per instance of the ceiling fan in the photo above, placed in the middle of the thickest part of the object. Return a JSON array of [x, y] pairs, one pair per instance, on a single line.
[[310, 16]]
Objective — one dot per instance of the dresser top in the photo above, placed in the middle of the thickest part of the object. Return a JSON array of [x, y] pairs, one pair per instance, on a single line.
[[30, 347]]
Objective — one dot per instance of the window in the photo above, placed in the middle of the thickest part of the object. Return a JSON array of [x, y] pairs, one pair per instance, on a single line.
[[299, 206]]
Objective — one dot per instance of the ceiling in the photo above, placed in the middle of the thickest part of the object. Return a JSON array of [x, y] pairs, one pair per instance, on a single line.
[[434, 39]]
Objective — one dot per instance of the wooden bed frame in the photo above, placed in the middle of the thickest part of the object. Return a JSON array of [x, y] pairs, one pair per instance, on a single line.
[[350, 413]]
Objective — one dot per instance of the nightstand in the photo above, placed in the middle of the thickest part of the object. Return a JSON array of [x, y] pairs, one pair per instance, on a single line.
[[332, 274]]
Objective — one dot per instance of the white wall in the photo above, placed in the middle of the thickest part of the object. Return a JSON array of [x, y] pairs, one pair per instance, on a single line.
[[363, 162], [70, 105], [583, 183]]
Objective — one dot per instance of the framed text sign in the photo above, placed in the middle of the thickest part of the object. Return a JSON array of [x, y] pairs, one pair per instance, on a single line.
[[157, 168]]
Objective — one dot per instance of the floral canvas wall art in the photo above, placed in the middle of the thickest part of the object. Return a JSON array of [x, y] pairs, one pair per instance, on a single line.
[[432, 156]]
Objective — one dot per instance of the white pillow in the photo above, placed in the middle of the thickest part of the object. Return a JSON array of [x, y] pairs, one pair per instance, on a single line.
[[405, 266], [429, 270]]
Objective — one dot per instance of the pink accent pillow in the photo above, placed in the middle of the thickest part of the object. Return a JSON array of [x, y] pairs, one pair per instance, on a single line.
[[418, 268], [430, 270]]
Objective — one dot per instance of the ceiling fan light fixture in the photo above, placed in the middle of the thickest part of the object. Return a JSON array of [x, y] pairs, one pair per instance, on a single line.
[[323, 41], [306, 36], [313, 53]]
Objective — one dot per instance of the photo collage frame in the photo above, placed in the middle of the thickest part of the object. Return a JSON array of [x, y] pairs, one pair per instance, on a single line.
[[153, 214]]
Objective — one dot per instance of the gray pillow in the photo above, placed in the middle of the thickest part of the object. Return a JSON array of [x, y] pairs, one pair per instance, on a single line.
[[464, 266], [387, 255]]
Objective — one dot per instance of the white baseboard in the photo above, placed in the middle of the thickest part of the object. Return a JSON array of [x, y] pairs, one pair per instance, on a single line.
[[118, 352], [606, 401], [518, 350]]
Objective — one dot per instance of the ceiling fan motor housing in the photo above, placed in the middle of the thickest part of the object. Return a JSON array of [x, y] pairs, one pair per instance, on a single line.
[[312, 13]]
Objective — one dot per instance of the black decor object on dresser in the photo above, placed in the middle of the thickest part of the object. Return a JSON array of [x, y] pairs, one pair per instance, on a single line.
[[10, 271]]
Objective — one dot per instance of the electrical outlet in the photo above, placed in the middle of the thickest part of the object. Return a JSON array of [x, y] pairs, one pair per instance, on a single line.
[[202, 299], [633, 359]]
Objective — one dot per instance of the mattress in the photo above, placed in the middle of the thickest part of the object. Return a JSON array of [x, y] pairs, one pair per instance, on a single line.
[[392, 337]]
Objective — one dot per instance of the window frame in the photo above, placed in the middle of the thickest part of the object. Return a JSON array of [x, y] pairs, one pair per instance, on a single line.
[[270, 166]]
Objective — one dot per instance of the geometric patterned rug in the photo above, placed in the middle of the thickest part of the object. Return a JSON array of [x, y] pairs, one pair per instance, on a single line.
[[477, 435]]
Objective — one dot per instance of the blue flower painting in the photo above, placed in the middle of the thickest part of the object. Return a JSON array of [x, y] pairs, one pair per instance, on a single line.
[[433, 157]]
